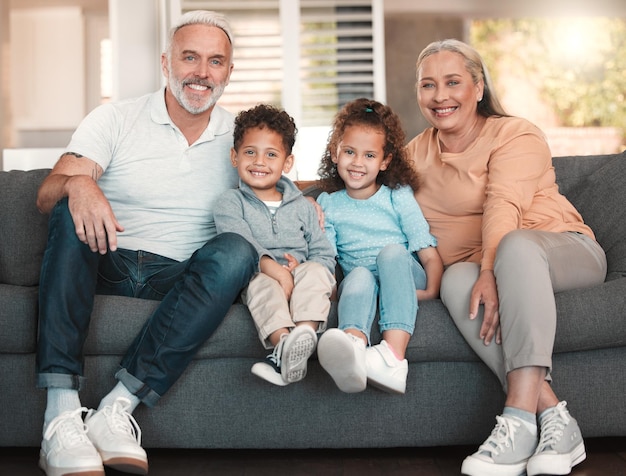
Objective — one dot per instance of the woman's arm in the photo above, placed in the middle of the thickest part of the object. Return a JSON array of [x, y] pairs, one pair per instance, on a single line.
[[515, 170]]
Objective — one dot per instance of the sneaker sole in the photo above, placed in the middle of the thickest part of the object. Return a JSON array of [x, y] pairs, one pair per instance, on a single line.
[[556, 463], [477, 467], [298, 347], [399, 389], [54, 471], [126, 464], [335, 353]]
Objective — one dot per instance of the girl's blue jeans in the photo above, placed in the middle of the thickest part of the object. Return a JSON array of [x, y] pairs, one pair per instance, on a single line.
[[398, 274], [195, 296]]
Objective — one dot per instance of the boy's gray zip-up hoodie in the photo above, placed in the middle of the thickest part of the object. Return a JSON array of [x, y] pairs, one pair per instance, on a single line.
[[293, 229]]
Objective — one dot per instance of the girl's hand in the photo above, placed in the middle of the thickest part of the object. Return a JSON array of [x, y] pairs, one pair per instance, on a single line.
[[318, 209], [485, 292]]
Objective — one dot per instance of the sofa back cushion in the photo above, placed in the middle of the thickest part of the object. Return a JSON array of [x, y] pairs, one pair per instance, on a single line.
[[596, 186], [23, 230]]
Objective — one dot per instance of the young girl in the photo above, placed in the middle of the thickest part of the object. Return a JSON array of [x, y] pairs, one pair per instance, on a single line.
[[383, 245]]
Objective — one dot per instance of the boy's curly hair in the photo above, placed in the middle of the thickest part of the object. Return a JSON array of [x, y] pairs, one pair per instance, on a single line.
[[372, 114], [265, 115]]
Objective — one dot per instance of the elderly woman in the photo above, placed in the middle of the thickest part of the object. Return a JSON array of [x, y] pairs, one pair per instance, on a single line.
[[509, 240]]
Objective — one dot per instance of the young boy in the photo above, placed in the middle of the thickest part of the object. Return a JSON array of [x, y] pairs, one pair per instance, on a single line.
[[289, 298]]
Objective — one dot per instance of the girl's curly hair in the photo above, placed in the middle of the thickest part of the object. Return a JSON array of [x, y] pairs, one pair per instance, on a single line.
[[265, 115], [372, 114]]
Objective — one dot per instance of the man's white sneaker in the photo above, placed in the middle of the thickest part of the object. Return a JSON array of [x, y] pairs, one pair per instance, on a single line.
[[343, 357], [505, 452], [384, 370], [561, 445], [66, 449], [117, 437]]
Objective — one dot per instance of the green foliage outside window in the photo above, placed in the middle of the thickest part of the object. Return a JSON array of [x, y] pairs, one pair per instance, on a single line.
[[577, 64]]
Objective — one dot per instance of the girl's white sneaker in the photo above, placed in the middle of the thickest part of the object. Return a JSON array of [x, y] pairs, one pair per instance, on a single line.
[[343, 357], [385, 370]]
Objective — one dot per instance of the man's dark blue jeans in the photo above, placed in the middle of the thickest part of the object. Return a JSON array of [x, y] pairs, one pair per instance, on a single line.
[[195, 296]]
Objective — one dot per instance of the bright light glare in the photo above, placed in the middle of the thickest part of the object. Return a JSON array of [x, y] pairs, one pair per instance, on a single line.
[[579, 40]]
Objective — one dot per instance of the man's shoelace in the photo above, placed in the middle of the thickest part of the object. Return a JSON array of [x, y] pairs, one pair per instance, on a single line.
[[121, 421], [552, 428], [502, 436], [69, 427]]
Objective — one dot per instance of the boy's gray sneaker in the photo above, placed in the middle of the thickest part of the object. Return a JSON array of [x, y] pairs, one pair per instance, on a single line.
[[299, 346], [505, 452], [269, 369], [561, 445], [288, 361]]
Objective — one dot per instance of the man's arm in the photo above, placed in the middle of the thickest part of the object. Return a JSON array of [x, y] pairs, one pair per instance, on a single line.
[[54, 187], [75, 177]]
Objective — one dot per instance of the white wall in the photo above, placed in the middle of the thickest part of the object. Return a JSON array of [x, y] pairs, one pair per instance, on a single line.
[[5, 120], [47, 68], [134, 28]]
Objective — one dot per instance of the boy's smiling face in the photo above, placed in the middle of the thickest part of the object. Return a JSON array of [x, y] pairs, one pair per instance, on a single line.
[[261, 160]]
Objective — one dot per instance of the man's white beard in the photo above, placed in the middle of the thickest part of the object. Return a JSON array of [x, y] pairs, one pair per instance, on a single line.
[[178, 90]]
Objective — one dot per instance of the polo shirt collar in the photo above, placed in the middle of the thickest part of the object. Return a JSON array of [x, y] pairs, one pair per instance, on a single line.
[[219, 124]]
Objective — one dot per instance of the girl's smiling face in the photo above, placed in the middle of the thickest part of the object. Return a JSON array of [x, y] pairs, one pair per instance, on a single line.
[[360, 157], [446, 93]]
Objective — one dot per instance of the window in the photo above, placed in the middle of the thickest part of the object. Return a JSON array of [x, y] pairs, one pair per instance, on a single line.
[[309, 57], [106, 75]]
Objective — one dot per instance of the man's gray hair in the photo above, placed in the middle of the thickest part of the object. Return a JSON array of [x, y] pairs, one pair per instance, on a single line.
[[200, 17]]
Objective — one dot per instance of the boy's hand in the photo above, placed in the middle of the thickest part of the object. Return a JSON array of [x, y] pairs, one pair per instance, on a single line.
[[292, 263]]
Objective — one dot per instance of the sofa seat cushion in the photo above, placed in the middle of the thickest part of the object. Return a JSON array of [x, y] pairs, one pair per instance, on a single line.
[[117, 320]]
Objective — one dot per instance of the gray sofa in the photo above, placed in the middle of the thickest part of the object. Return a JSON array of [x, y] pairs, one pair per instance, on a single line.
[[451, 396]]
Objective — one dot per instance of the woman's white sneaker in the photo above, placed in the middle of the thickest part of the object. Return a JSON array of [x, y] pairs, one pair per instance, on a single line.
[[66, 449]]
